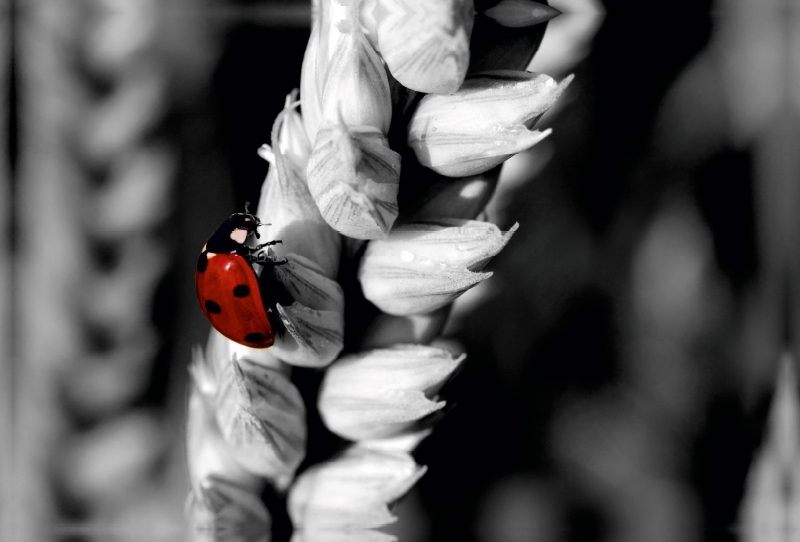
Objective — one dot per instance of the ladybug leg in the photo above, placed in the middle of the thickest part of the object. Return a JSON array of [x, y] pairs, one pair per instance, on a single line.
[[255, 252], [267, 244], [263, 259]]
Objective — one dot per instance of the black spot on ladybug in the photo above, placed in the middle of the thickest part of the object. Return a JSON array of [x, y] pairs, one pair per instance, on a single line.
[[202, 262], [243, 290], [254, 337], [212, 307]]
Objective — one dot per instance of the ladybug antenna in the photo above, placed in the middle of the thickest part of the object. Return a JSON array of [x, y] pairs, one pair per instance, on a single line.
[[254, 217]]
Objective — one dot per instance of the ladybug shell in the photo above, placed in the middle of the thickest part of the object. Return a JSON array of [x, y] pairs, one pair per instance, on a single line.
[[227, 288]]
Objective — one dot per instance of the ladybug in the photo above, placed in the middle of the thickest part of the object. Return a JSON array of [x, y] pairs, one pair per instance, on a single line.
[[228, 286]]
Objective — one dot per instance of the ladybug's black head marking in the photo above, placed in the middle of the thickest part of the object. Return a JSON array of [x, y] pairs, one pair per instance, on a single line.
[[245, 221], [231, 236]]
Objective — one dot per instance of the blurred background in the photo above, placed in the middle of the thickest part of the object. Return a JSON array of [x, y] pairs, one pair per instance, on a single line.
[[621, 359]]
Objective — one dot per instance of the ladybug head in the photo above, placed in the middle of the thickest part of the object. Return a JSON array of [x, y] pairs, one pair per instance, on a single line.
[[232, 234], [240, 225]]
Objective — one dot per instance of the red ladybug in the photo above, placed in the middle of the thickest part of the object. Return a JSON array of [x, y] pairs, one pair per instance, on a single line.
[[227, 285]]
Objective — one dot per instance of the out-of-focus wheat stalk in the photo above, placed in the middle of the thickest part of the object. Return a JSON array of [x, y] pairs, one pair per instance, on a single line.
[[48, 259], [748, 50], [365, 127], [96, 182]]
